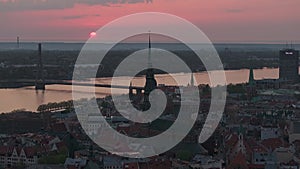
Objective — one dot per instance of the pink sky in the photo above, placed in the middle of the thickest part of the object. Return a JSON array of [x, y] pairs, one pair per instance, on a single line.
[[275, 21]]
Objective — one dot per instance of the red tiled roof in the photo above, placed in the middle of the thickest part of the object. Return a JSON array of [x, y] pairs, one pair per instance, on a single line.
[[232, 140], [6, 150], [238, 161], [61, 145], [59, 127], [30, 151], [253, 146], [291, 163], [273, 143], [256, 166]]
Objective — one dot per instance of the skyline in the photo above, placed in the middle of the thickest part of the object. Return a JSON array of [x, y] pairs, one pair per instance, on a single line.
[[231, 21]]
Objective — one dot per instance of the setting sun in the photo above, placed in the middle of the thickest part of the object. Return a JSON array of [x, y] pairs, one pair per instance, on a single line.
[[93, 34]]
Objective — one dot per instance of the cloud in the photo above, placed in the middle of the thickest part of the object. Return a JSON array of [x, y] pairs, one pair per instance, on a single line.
[[21, 5], [77, 16]]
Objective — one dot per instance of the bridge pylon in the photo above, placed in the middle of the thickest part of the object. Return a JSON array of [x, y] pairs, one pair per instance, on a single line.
[[40, 80]]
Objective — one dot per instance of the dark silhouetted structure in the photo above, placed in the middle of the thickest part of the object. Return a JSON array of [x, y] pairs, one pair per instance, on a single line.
[[288, 65], [251, 88], [151, 83], [18, 42], [40, 81]]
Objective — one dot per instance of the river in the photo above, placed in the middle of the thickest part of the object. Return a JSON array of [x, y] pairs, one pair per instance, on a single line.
[[29, 99]]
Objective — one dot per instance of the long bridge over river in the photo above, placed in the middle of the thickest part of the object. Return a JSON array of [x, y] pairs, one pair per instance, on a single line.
[[40, 82], [65, 82]]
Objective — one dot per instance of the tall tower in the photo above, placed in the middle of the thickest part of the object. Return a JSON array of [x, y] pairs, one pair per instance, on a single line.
[[151, 83], [130, 90], [18, 42], [192, 80], [289, 65], [251, 88], [40, 81], [251, 80]]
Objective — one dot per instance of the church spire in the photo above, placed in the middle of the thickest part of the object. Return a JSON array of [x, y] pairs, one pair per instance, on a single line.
[[149, 52], [251, 78], [151, 83]]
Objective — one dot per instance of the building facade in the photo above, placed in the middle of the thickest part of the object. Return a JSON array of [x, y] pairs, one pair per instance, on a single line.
[[289, 65]]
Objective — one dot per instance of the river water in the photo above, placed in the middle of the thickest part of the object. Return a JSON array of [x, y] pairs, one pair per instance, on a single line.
[[29, 99]]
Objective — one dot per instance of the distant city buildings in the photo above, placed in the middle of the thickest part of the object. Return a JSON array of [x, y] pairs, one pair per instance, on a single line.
[[261, 131], [288, 73]]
